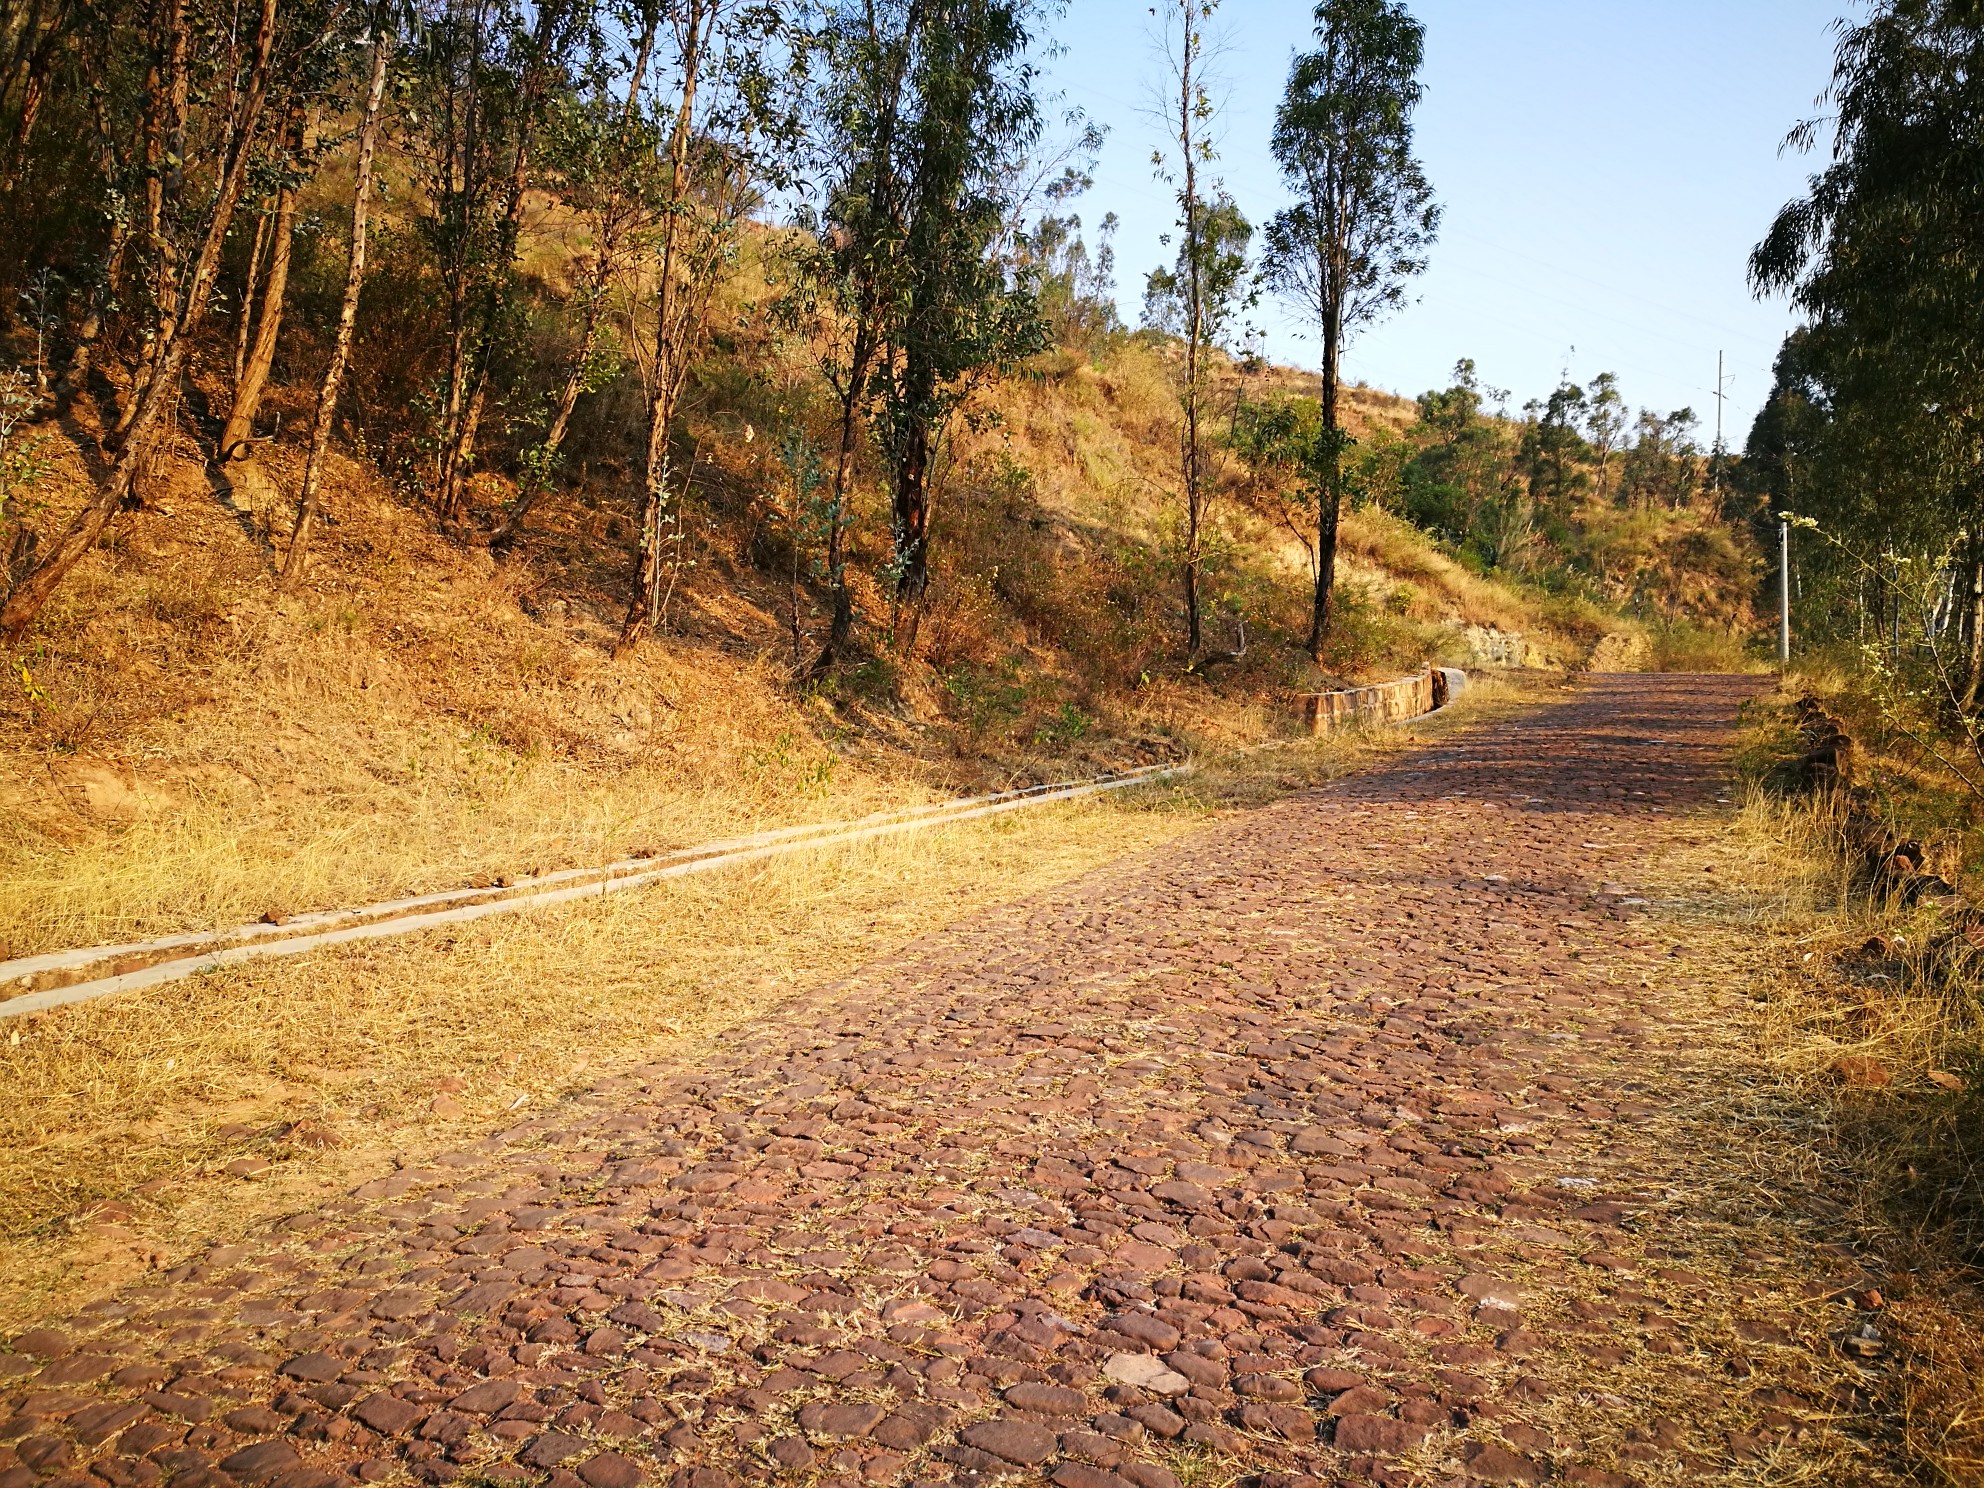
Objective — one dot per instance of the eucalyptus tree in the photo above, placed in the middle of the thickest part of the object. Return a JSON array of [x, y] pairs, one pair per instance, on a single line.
[[36, 38], [924, 108], [1663, 465], [542, 58], [1199, 301], [97, 162], [192, 136], [1554, 449], [1363, 217], [1604, 422], [381, 40], [601, 149], [484, 75], [974, 110], [719, 124], [1076, 285], [844, 263], [1192, 297], [260, 315], [1883, 253], [315, 84]]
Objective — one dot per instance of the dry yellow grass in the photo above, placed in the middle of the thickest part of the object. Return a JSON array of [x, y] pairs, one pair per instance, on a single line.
[[125, 1115], [399, 728], [212, 752], [1397, 548], [1861, 1067], [1101, 447], [304, 796]]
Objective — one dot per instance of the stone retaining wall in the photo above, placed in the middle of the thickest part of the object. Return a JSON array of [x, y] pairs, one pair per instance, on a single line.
[[1387, 702]]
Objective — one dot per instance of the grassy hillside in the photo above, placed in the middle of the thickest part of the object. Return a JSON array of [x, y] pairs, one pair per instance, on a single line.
[[187, 746], [183, 745]]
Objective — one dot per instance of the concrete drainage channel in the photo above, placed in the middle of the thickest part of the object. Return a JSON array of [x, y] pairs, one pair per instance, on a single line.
[[58, 978]]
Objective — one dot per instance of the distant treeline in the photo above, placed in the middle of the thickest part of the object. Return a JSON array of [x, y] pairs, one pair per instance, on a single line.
[[1569, 491]]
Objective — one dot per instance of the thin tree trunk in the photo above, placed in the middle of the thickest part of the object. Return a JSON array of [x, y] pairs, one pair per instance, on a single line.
[[251, 280], [458, 361], [549, 13], [32, 593], [24, 46], [1974, 688], [614, 218], [34, 93], [671, 356], [354, 284], [1194, 334], [882, 193], [166, 94], [1194, 638], [254, 373], [463, 190], [912, 511], [1329, 492], [841, 627], [654, 539], [461, 457]]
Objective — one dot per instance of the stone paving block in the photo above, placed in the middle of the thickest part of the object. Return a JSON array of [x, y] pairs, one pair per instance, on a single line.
[[1264, 1145]]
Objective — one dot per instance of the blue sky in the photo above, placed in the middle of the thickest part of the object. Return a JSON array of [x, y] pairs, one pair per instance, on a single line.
[[1605, 165]]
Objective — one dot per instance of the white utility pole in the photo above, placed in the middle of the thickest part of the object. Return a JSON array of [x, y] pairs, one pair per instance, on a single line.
[[1783, 592], [1720, 384], [1715, 456]]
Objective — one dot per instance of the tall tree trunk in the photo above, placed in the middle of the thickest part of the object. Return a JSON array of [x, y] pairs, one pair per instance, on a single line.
[[37, 67], [25, 43], [448, 479], [1195, 330], [32, 592], [882, 192], [461, 456], [462, 127], [166, 97], [536, 83], [673, 310], [254, 374], [840, 629], [1974, 687], [354, 284], [251, 280], [613, 219], [656, 538], [911, 517], [1194, 633], [1329, 490]]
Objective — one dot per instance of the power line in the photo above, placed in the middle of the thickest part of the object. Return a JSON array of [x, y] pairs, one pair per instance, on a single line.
[[1242, 171]]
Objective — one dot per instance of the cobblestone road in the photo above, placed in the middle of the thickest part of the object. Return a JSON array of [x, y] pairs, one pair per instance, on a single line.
[[1306, 1149]]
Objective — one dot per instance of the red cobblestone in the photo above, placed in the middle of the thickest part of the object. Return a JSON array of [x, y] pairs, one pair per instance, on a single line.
[[1230, 1144]]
